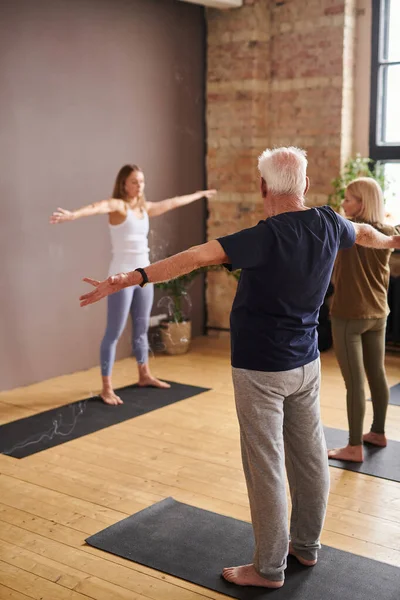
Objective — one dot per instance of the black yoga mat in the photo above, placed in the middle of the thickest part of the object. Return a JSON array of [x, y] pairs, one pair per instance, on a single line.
[[59, 425], [378, 462], [195, 545]]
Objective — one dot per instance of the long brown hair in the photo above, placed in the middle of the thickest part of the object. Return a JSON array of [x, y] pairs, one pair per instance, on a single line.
[[119, 185]]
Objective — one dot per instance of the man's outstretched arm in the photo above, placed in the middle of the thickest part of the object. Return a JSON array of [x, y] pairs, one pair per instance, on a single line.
[[371, 238], [210, 253]]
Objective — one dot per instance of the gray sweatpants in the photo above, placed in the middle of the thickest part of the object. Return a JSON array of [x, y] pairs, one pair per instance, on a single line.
[[279, 420]]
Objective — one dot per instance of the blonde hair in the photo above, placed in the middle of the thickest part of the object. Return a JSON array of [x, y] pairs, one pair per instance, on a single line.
[[119, 185], [368, 191], [284, 170]]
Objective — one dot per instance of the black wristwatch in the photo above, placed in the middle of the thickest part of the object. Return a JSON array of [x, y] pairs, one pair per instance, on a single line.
[[144, 276]]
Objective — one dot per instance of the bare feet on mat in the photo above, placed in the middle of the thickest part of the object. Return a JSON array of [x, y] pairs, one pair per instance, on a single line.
[[377, 439], [146, 379], [247, 575], [303, 561], [349, 453], [153, 382], [109, 397]]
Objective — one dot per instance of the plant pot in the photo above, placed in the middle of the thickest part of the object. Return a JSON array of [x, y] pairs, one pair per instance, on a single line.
[[176, 336]]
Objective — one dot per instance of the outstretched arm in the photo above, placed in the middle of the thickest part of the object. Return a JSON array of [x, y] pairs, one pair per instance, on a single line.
[[371, 238], [103, 207], [210, 253], [155, 209]]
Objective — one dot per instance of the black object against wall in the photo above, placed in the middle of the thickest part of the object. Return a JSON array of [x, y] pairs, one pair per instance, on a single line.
[[393, 322], [324, 326]]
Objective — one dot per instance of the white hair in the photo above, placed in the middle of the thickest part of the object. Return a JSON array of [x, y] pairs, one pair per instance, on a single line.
[[284, 170]]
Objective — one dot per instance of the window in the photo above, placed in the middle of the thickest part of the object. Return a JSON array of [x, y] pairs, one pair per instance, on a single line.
[[392, 192], [385, 97]]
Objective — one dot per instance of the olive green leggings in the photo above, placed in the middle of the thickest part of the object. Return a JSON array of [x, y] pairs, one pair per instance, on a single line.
[[360, 345]]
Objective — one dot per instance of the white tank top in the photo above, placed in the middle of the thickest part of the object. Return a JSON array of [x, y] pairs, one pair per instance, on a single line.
[[129, 243]]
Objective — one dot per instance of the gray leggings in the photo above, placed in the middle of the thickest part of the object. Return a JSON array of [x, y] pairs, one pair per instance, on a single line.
[[138, 302], [360, 344], [279, 420]]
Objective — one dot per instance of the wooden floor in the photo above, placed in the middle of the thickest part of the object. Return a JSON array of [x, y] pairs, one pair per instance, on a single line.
[[50, 502]]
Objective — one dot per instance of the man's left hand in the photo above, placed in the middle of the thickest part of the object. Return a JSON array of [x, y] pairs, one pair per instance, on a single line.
[[113, 284]]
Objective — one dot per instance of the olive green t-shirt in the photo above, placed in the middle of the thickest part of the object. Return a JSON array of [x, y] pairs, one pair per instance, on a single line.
[[361, 280]]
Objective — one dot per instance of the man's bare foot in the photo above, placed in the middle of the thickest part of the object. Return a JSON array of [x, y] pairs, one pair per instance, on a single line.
[[247, 575], [153, 382], [350, 453], [377, 439], [109, 397], [303, 561]]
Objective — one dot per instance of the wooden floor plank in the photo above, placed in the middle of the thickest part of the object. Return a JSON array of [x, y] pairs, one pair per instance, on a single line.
[[7, 593], [69, 549]]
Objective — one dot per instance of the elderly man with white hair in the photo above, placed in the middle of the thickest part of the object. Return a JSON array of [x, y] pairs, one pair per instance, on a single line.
[[286, 262]]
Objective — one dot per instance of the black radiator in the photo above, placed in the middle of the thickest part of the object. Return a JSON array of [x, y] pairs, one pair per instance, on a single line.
[[393, 322]]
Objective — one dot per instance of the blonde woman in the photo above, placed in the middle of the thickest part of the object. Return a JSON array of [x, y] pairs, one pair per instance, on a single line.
[[358, 313], [128, 216]]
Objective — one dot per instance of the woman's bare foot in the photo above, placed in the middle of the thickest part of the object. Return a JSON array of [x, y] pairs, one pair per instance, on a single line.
[[350, 453], [109, 397], [107, 393], [377, 439], [146, 379], [247, 575], [153, 382], [303, 561]]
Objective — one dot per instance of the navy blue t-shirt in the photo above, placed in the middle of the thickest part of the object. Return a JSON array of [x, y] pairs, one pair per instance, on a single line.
[[286, 263]]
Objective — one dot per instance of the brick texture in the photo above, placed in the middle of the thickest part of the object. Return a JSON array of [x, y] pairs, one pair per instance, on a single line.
[[278, 73]]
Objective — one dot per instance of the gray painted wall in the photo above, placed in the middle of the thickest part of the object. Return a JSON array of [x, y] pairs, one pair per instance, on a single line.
[[87, 86]]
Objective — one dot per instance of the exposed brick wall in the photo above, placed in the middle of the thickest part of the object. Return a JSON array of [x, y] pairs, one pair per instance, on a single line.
[[279, 73]]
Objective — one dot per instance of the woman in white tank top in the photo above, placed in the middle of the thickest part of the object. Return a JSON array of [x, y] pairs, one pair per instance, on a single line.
[[128, 217]]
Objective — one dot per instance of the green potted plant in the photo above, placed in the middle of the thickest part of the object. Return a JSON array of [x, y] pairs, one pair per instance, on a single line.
[[176, 330], [353, 168]]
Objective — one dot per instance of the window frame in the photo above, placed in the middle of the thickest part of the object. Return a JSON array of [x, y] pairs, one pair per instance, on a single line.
[[378, 151]]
